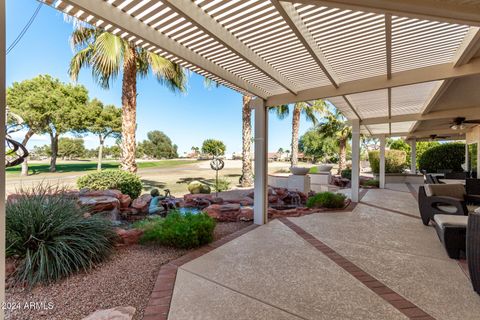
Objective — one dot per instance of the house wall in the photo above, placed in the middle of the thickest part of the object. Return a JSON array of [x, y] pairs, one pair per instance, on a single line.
[[473, 136]]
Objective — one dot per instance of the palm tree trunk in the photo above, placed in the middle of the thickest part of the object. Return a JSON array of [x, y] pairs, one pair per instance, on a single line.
[[295, 127], [100, 153], [342, 159], [54, 147], [25, 162], [129, 112], [247, 177]]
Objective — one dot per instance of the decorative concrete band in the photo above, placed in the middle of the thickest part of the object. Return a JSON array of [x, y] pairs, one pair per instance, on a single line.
[[397, 301], [159, 304]]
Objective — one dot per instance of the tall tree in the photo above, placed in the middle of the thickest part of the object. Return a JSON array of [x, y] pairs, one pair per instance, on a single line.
[[309, 110], [335, 126], [71, 148], [213, 147], [49, 106], [246, 180], [158, 146], [107, 54], [105, 121], [31, 100]]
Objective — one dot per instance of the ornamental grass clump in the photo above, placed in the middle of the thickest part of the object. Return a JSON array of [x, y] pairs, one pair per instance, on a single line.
[[326, 200], [187, 230], [126, 182], [49, 237]]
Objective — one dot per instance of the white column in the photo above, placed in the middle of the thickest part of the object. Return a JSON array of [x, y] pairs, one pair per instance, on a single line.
[[381, 174], [2, 153], [260, 205], [355, 159], [413, 156]]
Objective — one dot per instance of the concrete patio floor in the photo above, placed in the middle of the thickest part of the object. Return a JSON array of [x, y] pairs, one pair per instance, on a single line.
[[377, 262]]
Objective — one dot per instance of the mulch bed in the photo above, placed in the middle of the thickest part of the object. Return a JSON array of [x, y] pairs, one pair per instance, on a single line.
[[126, 279]]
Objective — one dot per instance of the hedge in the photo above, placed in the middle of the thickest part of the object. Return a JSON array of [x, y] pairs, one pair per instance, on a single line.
[[395, 161], [448, 156], [126, 182]]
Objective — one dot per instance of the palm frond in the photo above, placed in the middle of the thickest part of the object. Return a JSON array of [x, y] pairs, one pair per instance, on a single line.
[[81, 37], [107, 58], [79, 60], [282, 111], [167, 73]]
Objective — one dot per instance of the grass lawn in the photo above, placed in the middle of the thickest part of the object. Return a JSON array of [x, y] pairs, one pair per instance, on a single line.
[[36, 168]]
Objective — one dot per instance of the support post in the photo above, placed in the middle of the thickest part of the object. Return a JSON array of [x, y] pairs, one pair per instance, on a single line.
[[467, 159], [382, 163], [260, 204], [413, 156], [355, 159], [2, 152]]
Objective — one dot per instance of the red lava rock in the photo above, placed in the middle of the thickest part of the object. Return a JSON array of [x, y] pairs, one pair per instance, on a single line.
[[217, 200], [128, 211], [246, 214], [273, 199], [129, 237], [281, 192], [224, 212], [246, 201], [125, 201], [142, 203], [100, 193], [99, 204]]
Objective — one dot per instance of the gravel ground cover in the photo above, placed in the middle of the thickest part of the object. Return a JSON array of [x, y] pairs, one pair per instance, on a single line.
[[124, 280]]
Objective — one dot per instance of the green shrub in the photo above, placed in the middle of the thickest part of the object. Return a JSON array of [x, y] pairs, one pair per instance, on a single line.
[[47, 232], [371, 183], [196, 187], [448, 156], [126, 182], [326, 200], [179, 230], [346, 174], [395, 161], [223, 184]]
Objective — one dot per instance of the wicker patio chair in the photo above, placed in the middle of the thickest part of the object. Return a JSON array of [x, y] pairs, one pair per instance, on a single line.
[[473, 249], [441, 199]]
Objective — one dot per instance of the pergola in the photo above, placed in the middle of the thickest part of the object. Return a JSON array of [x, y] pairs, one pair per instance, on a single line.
[[392, 67]]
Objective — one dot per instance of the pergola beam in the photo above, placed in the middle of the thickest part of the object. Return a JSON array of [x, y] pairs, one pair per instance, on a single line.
[[135, 27], [468, 113], [189, 10], [388, 44], [419, 75], [298, 26], [419, 9]]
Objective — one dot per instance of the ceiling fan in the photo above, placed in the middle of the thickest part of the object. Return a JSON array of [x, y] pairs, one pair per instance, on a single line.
[[434, 137], [459, 123]]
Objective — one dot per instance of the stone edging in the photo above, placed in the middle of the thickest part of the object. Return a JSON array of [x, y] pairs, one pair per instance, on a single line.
[[406, 307], [159, 303]]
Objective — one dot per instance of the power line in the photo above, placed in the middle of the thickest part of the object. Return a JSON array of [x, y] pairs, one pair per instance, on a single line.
[[25, 29]]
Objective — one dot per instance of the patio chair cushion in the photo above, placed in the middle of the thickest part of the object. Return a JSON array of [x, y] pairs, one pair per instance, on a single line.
[[445, 190], [448, 220]]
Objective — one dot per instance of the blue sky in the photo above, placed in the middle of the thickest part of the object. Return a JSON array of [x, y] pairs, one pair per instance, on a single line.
[[187, 119]]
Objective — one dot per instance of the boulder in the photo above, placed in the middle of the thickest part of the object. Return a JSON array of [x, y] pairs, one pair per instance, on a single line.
[[199, 200], [100, 193], [99, 204], [196, 187], [117, 313], [272, 199], [224, 212], [130, 236], [246, 214], [246, 201], [125, 201], [142, 203]]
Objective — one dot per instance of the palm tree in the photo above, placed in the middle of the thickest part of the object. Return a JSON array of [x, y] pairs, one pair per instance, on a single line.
[[335, 126], [309, 110], [107, 55], [246, 179]]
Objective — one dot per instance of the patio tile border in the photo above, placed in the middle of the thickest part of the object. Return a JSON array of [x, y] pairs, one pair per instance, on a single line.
[[409, 309], [159, 303]]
